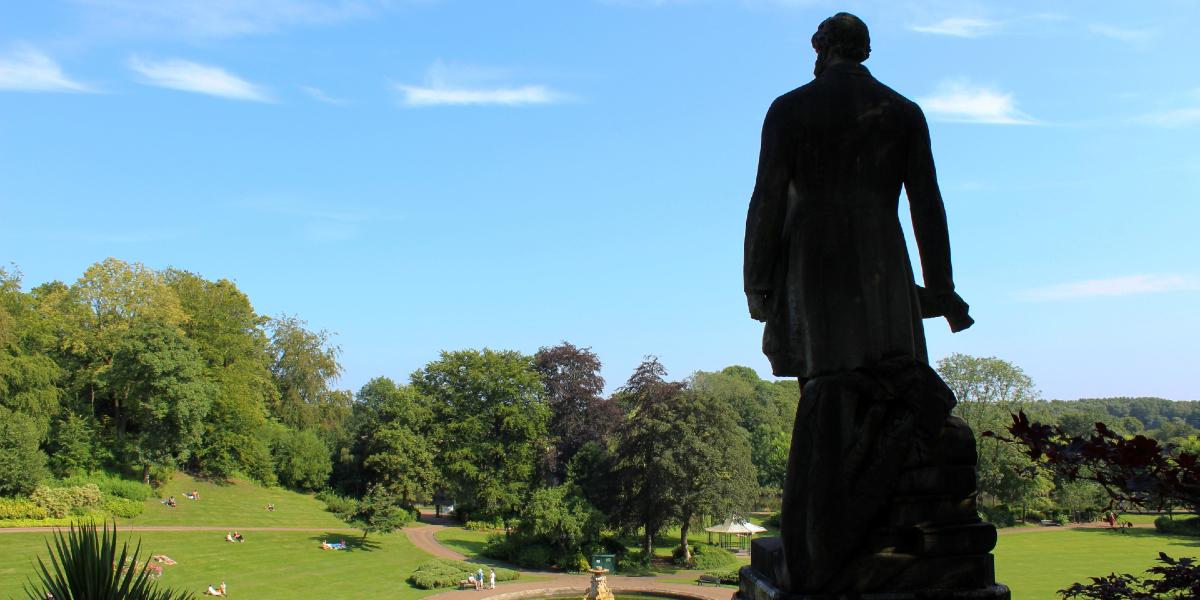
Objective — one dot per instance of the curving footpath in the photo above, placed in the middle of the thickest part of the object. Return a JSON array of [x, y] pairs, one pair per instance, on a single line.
[[557, 584]]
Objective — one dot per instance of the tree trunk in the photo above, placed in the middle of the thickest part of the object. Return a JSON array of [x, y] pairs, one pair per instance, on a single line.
[[683, 538], [146, 473], [648, 545]]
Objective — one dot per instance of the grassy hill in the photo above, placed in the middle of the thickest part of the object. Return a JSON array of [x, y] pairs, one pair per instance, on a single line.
[[233, 505], [269, 565]]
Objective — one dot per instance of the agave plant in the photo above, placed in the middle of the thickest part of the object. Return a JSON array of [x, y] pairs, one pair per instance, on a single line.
[[85, 565]]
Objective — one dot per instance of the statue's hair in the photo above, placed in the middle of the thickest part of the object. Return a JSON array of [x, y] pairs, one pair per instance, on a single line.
[[845, 35]]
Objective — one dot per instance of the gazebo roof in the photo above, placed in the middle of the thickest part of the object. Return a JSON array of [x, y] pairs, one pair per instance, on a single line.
[[736, 524]]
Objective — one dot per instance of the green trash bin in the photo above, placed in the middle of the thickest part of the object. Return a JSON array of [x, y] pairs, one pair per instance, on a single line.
[[605, 561]]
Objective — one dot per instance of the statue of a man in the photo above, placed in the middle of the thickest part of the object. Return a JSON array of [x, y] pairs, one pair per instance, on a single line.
[[826, 265], [881, 483]]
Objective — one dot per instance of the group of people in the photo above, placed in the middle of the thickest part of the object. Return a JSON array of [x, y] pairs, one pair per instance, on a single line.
[[340, 545], [234, 537], [476, 580]]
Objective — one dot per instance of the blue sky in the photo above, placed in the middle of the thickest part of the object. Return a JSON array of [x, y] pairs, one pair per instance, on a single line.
[[436, 174]]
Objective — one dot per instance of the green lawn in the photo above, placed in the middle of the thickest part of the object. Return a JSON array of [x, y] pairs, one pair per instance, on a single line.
[[1038, 564], [234, 504], [469, 543], [268, 565]]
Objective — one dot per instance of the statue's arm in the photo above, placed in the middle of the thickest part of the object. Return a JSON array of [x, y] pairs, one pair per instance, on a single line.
[[929, 225], [928, 212], [764, 220]]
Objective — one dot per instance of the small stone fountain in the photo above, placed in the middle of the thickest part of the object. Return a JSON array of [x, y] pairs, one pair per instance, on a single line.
[[599, 588]]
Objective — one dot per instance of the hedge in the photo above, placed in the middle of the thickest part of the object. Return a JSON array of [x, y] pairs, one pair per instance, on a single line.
[[446, 573]]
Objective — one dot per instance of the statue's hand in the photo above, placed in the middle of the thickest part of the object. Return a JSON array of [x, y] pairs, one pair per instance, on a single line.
[[759, 304]]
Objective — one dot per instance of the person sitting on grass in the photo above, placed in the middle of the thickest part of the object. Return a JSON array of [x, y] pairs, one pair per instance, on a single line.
[[237, 537], [217, 591], [229, 537], [270, 507], [338, 546], [164, 559]]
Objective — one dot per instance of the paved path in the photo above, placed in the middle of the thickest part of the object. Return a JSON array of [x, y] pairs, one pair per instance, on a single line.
[[423, 538]]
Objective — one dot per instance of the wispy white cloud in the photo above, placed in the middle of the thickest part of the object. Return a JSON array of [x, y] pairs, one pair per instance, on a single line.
[[221, 18], [1124, 34], [960, 101], [966, 27], [320, 96], [1115, 286], [194, 77], [23, 68], [1180, 116], [461, 86]]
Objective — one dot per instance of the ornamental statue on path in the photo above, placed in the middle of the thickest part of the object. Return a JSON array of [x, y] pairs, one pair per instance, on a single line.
[[879, 500]]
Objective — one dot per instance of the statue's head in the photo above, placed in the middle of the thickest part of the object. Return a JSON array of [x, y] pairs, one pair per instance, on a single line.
[[842, 37]]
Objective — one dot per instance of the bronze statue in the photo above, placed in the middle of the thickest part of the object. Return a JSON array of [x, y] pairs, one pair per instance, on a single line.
[[880, 490]]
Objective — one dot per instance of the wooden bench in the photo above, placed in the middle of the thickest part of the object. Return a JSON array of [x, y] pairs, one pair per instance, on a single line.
[[1050, 523], [707, 579]]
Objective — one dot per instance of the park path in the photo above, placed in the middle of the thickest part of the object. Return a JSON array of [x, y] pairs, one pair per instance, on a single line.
[[553, 583]]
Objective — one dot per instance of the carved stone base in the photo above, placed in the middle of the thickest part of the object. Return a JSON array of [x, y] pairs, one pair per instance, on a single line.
[[754, 585]]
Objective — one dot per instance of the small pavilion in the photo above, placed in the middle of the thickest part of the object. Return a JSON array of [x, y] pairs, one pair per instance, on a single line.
[[734, 532]]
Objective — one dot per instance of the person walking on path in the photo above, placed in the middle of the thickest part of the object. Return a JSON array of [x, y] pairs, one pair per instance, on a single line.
[[479, 578], [492, 580]]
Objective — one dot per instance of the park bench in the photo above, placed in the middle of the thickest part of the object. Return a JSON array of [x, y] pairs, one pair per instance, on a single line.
[[1050, 523], [707, 579]]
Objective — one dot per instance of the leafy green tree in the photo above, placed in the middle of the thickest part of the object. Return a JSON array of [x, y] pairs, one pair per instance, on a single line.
[[764, 409], [378, 512], [303, 364], [398, 454], [29, 379], [988, 391], [157, 380], [231, 338], [491, 417], [74, 446], [302, 460], [560, 519], [22, 462], [713, 473], [591, 474]]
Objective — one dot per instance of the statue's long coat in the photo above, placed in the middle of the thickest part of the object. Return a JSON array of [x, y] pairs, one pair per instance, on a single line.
[[823, 238]]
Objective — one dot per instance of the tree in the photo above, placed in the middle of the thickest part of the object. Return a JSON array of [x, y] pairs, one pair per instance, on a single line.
[[988, 390], [157, 381], [398, 454], [73, 445], [29, 379], [22, 463], [301, 458], [302, 365], [765, 410], [491, 416], [578, 412], [644, 465], [378, 512], [230, 337], [714, 474], [560, 519]]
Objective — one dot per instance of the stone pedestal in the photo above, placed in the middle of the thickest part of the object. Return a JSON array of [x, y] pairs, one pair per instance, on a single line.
[[964, 577], [598, 590], [880, 498]]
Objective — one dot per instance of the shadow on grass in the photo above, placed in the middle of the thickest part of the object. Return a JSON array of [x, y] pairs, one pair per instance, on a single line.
[[353, 542], [1145, 533]]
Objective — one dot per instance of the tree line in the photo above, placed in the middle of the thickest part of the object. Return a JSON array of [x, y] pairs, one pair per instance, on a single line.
[[142, 372]]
